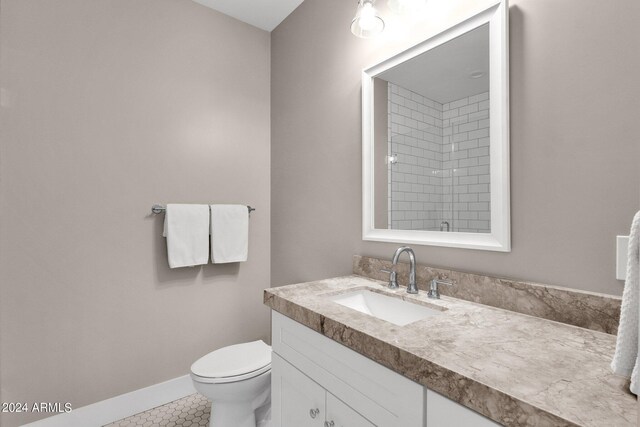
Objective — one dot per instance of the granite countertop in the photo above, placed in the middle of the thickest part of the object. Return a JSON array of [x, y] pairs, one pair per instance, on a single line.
[[516, 369]]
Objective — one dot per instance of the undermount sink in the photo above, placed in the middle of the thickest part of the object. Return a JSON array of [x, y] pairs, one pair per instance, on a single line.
[[393, 310]]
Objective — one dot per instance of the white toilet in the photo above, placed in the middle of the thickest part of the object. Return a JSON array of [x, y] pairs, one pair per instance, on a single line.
[[237, 380]]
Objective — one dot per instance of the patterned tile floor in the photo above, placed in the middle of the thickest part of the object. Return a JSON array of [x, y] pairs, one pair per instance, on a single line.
[[191, 411]]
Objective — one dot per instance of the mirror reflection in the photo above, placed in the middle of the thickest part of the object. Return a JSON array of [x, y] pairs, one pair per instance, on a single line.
[[431, 139]]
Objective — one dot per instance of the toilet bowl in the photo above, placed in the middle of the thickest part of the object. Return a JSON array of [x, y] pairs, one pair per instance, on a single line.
[[237, 381]]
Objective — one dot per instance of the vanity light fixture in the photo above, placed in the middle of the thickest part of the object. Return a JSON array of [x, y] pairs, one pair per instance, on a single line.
[[407, 7], [367, 23]]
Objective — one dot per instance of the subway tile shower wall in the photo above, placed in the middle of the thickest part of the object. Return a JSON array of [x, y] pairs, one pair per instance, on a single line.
[[442, 168]]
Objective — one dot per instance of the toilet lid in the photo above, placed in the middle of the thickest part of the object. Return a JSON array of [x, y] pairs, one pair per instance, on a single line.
[[234, 360]]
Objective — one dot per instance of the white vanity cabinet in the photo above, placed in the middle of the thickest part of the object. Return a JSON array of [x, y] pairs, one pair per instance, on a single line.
[[317, 382], [310, 371], [303, 402]]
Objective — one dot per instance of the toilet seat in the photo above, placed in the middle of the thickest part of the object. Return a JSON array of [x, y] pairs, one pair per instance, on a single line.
[[233, 363], [232, 379]]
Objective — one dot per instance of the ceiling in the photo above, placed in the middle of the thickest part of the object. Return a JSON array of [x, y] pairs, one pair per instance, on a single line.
[[264, 14], [443, 73]]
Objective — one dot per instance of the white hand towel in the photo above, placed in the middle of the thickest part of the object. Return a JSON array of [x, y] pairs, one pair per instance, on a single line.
[[229, 233], [186, 228], [625, 359]]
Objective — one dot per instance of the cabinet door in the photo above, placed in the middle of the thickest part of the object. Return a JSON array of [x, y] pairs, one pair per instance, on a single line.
[[341, 415], [296, 400]]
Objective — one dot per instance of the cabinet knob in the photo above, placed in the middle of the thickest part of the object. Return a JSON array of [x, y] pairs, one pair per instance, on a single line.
[[314, 412], [329, 424]]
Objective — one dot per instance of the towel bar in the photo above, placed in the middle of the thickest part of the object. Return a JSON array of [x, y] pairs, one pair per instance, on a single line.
[[158, 209]]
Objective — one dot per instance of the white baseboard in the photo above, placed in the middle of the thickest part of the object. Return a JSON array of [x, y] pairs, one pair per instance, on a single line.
[[119, 407]]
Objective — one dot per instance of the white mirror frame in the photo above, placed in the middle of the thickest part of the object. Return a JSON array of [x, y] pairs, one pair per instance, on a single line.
[[500, 237]]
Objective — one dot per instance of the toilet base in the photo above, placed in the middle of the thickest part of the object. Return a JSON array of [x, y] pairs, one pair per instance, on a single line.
[[233, 404], [232, 414], [263, 415]]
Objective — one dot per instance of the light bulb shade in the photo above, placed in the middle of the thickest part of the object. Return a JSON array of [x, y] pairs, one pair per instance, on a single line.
[[367, 22], [407, 7]]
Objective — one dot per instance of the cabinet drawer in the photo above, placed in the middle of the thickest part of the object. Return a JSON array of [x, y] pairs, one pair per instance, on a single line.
[[342, 415], [383, 396]]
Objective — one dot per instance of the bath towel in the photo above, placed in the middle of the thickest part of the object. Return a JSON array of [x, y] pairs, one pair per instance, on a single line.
[[229, 233], [625, 359], [186, 228]]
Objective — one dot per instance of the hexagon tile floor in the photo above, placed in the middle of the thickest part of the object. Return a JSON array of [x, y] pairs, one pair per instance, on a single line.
[[190, 411]]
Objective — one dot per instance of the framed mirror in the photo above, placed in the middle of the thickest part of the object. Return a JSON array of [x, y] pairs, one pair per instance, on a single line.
[[435, 126]]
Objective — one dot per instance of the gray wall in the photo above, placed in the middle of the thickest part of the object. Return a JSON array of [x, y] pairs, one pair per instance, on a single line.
[[108, 107], [574, 144]]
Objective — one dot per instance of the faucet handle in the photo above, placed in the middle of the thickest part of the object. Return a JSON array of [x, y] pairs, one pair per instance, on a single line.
[[433, 288], [393, 283]]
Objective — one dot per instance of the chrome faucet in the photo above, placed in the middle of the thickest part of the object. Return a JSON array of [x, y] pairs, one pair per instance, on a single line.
[[393, 283]]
